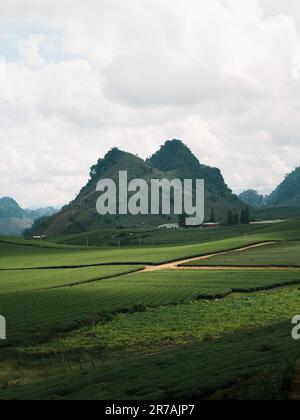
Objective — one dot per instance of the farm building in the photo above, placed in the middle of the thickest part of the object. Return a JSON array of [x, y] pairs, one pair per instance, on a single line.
[[210, 225], [169, 226]]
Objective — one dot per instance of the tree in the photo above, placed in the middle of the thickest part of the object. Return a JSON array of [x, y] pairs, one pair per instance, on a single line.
[[236, 219], [245, 216], [182, 220], [230, 218], [212, 218], [242, 216]]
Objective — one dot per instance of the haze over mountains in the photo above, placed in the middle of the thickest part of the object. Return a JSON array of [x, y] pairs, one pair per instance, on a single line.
[[173, 160], [287, 194], [14, 220]]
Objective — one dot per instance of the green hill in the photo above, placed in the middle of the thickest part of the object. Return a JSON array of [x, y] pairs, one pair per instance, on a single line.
[[287, 194], [173, 160], [14, 220]]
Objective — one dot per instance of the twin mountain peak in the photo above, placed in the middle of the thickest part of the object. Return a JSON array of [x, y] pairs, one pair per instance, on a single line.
[[173, 160]]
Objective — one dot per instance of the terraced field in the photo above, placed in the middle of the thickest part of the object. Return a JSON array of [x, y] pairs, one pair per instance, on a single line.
[[38, 309], [158, 237], [91, 323], [247, 365], [153, 330], [16, 281], [19, 256], [284, 254]]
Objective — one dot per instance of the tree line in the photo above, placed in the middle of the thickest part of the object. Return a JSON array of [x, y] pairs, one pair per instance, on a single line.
[[237, 219], [233, 219]]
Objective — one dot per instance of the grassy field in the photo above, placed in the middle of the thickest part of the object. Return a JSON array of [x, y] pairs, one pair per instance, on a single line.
[[137, 238], [87, 323], [280, 254], [273, 213], [252, 365], [38, 310], [151, 237], [153, 330], [18, 257], [20, 281]]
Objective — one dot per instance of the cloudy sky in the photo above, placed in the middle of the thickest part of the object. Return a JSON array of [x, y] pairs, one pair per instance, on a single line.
[[77, 78]]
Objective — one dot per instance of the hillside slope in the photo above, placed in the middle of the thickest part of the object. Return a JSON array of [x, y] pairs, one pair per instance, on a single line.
[[173, 160], [287, 194], [253, 199], [14, 220]]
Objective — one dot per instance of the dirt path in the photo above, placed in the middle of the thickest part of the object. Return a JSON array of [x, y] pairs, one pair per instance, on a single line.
[[175, 265], [239, 268]]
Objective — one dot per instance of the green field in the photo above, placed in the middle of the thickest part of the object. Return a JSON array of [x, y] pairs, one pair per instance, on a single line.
[[247, 365], [19, 257], [38, 309], [14, 281], [154, 330], [285, 254], [162, 237], [137, 238], [87, 322]]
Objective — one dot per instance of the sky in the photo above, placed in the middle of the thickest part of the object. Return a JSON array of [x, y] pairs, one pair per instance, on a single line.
[[78, 78]]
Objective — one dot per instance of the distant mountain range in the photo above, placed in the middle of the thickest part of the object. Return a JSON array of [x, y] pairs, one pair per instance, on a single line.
[[286, 195], [14, 220], [253, 199], [173, 160]]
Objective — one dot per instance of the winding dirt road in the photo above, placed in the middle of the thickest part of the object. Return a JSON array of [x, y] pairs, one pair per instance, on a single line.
[[175, 265]]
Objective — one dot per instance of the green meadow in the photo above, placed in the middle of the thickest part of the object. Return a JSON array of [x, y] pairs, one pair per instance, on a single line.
[[88, 322], [20, 257], [279, 254], [33, 312]]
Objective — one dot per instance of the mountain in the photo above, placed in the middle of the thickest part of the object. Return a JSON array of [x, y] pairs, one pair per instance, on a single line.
[[173, 160], [253, 199], [14, 220], [287, 194], [41, 212]]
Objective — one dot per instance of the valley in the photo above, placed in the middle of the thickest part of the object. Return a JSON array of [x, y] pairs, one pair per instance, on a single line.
[[88, 322]]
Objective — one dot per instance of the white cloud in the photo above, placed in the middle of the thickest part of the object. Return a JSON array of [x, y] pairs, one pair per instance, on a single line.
[[95, 74], [30, 50]]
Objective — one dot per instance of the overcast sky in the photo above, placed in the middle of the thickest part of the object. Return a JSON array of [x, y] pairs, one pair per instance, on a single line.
[[84, 76]]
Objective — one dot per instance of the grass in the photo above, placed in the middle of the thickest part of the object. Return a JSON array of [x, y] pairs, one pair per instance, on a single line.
[[196, 371], [285, 254], [34, 312], [151, 237], [273, 213], [172, 326], [20, 281], [94, 331], [138, 237], [36, 243], [18, 257]]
